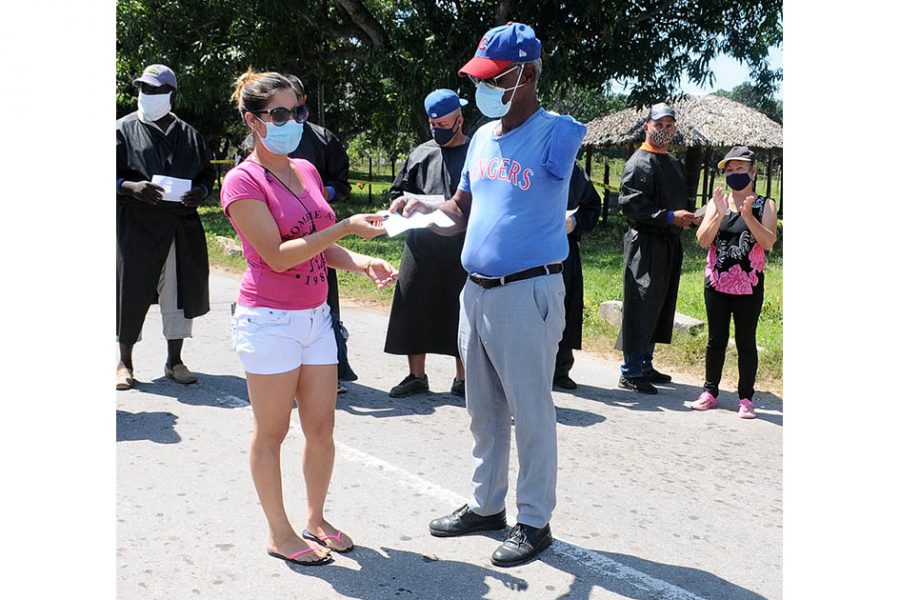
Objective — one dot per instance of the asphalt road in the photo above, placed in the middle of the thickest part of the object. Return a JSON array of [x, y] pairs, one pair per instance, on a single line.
[[655, 501]]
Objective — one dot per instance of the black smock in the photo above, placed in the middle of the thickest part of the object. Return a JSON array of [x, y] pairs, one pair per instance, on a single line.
[[144, 232], [585, 198], [652, 184], [425, 312], [324, 150]]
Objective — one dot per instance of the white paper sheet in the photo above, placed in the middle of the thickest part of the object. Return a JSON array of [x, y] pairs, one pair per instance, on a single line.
[[395, 223], [173, 187]]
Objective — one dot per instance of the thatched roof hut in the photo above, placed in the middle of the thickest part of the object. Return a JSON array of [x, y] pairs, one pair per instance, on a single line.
[[707, 125], [708, 121]]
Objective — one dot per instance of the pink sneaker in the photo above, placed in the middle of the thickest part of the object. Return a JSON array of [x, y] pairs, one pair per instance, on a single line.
[[745, 410], [704, 402]]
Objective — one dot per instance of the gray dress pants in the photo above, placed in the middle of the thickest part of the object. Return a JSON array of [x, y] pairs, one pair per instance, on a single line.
[[508, 337]]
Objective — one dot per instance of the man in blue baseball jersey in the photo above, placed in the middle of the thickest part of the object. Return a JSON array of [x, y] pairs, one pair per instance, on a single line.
[[511, 201]]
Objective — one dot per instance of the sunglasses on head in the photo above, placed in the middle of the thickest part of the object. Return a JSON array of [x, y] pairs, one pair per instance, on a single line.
[[281, 115]]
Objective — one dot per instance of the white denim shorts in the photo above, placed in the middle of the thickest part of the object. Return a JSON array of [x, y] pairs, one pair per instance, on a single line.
[[271, 340]]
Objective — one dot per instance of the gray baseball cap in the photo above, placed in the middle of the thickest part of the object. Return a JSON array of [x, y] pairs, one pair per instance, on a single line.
[[157, 76], [658, 111]]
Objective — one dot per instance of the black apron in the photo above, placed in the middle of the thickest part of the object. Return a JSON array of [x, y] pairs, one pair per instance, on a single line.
[[652, 184], [585, 198], [144, 233], [323, 149], [425, 310]]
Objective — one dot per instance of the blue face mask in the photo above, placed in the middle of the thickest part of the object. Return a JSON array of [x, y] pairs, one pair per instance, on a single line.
[[738, 181], [489, 99], [282, 139]]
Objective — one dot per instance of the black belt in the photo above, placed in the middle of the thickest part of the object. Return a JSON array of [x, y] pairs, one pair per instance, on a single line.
[[490, 282]]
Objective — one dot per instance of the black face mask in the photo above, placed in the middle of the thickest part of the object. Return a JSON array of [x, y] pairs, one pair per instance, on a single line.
[[738, 181], [443, 136]]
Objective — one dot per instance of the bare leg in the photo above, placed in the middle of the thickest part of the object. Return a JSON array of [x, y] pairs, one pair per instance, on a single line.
[[460, 370], [417, 365], [272, 397], [316, 400]]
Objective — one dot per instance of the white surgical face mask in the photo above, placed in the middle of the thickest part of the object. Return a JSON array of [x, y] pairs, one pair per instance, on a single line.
[[153, 107], [489, 98]]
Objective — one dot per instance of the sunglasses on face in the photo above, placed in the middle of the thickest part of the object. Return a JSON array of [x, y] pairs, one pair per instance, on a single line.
[[491, 82], [281, 115]]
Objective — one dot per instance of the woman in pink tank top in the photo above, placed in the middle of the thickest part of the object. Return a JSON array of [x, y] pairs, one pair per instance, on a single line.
[[281, 324]]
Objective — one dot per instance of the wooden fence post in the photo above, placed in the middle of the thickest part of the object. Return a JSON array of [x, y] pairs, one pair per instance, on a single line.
[[605, 190], [707, 157]]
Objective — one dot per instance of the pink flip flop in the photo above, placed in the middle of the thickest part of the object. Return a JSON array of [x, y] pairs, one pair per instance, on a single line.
[[306, 563], [308, 535]]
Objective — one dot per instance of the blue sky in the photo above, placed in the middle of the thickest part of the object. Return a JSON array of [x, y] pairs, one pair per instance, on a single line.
[[729, 74]]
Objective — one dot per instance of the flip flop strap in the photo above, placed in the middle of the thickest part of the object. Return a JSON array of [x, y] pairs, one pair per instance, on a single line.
[[302, 552], [334, 537]]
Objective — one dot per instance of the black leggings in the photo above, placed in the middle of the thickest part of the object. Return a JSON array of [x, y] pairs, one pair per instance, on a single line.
[[719, 309]]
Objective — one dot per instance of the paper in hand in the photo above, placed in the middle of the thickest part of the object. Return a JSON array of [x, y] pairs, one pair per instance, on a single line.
[[429, 200], [700, 211], [173, 187], [396, 223]]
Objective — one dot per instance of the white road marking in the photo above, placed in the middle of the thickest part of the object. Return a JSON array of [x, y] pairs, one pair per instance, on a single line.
[[602, 565]]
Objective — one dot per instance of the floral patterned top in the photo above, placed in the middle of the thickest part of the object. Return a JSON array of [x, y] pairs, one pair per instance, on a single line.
[[736, 261]]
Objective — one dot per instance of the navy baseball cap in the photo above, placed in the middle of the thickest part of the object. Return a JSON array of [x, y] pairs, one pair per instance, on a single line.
[[157, 76], [501, 47], [442, 102], [658, 111]]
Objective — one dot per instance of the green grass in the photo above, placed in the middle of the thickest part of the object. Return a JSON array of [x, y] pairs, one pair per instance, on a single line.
[[601, 255]]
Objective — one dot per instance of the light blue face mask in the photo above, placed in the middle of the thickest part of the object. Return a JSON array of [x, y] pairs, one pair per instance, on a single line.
[[282, 139], [489, 99]]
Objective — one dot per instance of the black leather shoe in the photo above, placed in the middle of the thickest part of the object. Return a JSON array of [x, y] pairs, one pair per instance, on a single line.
[[565, 382], [524, 543], [463, 520], [637, 384], [654, 376]]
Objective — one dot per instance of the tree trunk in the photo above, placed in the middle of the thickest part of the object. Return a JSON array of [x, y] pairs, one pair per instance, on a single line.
[[692, 163]]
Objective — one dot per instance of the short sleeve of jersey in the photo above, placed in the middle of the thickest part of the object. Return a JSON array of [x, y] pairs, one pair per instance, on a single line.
[[565, 140], [239, 184], [464, 176]]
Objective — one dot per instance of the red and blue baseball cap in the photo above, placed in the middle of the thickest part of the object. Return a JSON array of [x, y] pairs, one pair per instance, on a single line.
[[157, 76], [500, 48], [442, 102]]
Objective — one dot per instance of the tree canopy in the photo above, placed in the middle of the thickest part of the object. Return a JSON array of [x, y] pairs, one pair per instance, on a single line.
[[368, 64]]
